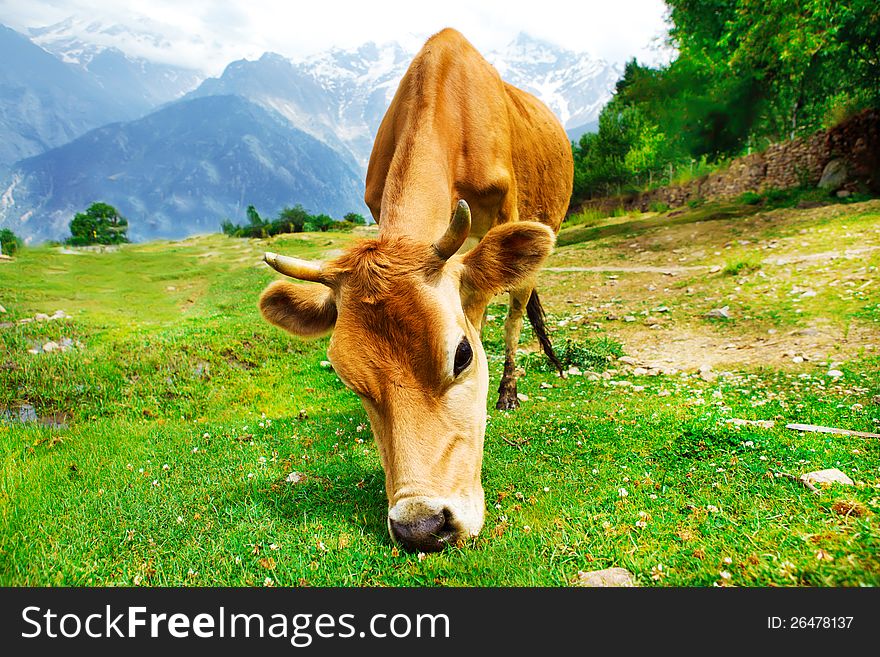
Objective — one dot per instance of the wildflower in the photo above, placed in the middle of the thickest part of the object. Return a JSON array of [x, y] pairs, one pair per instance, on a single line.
[[657, 572], [622, 492], [712, 508], [822, 555]]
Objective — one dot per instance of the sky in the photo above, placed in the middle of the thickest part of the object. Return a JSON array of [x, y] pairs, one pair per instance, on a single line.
[[208, 34]]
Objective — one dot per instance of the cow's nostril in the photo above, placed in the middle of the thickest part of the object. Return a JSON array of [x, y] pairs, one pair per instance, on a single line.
[[426, 534]]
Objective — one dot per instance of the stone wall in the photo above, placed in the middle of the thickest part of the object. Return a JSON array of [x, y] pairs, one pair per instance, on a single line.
[[783, 165]]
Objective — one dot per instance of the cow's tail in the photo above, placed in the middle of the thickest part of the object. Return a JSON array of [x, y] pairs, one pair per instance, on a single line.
[[535, 312]]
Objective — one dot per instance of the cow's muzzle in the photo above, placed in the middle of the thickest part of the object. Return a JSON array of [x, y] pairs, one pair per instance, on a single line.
[[427, 524], [429, 533]]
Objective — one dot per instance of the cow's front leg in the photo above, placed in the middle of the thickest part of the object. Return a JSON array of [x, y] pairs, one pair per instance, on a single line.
[[507, 399]]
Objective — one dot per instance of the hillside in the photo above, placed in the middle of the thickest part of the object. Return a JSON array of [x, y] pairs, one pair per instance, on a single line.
[[180, 170], [44, 102], [171, 437]]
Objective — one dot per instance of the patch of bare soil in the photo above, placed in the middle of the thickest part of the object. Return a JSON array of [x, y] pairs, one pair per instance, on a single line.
[[690, 348]]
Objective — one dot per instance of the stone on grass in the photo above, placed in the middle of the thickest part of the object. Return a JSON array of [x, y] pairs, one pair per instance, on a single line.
[[609, 577], [833, 175], [720, 313], [827, 477]]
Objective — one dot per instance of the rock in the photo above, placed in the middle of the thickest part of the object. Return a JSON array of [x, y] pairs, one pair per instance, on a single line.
[[640, 371], [660, 309], [327, 364], [522, 397], [843, 193], [629, 360], [835, 374], [833, 175], [611, 318], [609, 577], [629, 318], [2, 309], [827, 477], [719, 313], [293, 478], [715, 269], [707, 374], [574, 370], [41, 317], [51, 346], [545, 385]]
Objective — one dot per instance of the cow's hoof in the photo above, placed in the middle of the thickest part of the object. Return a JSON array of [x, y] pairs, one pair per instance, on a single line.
[[507, 402]]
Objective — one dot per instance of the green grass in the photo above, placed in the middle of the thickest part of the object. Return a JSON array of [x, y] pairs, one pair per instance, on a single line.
[[185, 413]]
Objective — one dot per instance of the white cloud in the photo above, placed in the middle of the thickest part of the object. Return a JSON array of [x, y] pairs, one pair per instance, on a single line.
[[208, 34]]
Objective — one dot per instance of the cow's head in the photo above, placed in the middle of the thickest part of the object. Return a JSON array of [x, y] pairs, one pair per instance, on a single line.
[[406, 319]]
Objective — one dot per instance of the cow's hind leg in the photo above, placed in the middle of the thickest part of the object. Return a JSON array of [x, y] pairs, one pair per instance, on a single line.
[[507, 399], [535, 312]]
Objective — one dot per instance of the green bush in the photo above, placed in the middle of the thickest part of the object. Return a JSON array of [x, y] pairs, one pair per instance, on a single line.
[[9, 242], [750, 198]]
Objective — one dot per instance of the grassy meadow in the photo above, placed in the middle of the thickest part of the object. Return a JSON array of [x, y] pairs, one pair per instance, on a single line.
[[178, 439]]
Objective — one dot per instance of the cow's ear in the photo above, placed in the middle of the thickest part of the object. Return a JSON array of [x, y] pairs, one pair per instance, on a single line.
[[305, 310], [507, 257]]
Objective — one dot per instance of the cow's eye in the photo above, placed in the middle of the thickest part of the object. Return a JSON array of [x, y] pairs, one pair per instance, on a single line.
[[463, 356]]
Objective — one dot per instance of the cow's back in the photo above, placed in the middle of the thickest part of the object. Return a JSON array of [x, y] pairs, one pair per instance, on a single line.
[[455, 130]]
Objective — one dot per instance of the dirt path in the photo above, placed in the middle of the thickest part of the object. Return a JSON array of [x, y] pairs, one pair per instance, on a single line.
[[688, 349]]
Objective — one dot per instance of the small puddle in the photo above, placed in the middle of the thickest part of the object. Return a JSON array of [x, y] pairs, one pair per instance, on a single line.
[[25, 413]]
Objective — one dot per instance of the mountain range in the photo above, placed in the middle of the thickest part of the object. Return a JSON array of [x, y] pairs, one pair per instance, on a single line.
[[178, 152]]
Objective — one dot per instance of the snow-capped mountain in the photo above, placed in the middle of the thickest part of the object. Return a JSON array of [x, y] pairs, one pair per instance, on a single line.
[[299, 131], [340, 96], [120, 59], [575, 86]]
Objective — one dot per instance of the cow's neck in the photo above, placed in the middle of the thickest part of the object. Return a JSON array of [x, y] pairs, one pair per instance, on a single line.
[[417, 200]]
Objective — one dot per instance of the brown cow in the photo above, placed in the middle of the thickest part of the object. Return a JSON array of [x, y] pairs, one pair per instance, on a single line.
[[406, 309]]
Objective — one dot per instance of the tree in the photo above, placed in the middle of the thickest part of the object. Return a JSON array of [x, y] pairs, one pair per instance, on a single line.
[[355, 218], [9, 242], [294, 218], [100, 224]]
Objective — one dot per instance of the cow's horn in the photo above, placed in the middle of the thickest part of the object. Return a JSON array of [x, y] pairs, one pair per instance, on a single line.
[[456, 233], [295, 268]]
